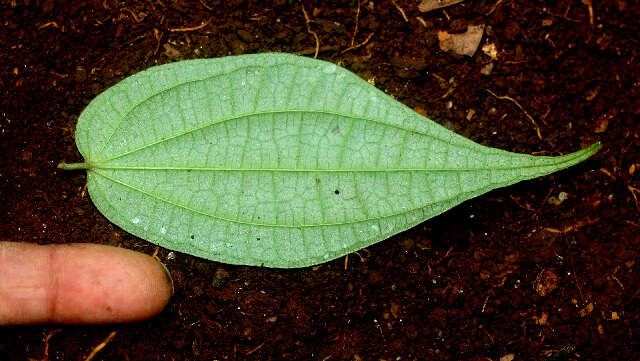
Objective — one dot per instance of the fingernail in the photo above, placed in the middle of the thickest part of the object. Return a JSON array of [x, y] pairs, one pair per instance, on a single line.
[[166, 270]]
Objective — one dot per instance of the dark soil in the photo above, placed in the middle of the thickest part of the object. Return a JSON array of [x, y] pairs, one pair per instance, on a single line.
[[520, 273]]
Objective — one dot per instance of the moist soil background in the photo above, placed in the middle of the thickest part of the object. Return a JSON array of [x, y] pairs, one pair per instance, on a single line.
[[543, 270]]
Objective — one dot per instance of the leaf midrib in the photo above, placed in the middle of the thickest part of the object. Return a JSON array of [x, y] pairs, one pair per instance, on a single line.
[[554, 161], [491, 185]]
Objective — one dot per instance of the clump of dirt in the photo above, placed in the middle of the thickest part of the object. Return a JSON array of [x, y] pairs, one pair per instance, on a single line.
[[543, 270]]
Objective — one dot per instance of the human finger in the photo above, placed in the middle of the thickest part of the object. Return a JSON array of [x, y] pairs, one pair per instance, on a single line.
[[79, 283]]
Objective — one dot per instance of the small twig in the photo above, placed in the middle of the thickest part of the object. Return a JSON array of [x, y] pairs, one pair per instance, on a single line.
[[573, 266], [50, 23], [525, 207], [404, 16], [495, 6], [484, 305], [134, 15], [443, 257], [192, 28], [355, 31], [575, 277], [545, 11], [255, 349], [613, 276], [505, 97], [488, 334], [633, 191], [158, 36], [315, 35], [566, 11], [101, 346], [206, 6], [448, 92], [544, 201], [155, 254], [590, 7], [136, 39], [358, 45], [45, 356]]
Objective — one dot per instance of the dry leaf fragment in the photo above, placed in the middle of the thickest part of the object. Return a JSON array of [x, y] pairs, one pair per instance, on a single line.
[[508, 357], [396, 309], [542, 320], [487, 69], [603, 123], [430, 5], [615, 316], [462, 44], [171, 52], [546, 282], [586, 310], [491, 50]]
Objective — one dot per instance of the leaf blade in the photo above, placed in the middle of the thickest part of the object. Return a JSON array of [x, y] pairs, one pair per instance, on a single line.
[[215, 164]]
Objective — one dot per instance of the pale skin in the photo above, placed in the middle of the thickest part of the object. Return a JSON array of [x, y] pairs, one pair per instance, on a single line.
[[79, 284]]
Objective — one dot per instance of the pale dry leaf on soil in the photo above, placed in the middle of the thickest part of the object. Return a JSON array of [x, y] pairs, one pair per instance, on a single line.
[[430, 5], [462, 44]]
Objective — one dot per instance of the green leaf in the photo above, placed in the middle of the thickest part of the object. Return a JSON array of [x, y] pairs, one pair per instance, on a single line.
[[277, 160]]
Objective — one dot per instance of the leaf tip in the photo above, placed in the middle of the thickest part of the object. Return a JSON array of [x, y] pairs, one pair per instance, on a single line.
[[593, 149]]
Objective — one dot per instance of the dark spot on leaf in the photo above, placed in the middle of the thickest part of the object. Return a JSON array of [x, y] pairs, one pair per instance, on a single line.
[[193, 236], [317, 180], [257, 239], [336, 129], [336, 191]]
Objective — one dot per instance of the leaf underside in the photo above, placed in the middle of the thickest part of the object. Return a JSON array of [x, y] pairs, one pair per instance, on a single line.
[[277, 160]]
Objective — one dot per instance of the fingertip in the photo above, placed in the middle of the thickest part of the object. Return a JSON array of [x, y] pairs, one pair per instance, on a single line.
[[79, 283], [119, 285]]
